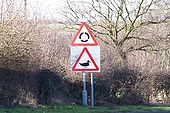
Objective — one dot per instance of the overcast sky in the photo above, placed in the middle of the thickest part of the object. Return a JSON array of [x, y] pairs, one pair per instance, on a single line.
[[50, 8], [47, 7]]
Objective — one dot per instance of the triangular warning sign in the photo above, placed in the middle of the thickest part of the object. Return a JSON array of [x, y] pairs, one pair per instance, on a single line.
[[85, 62], [84, 37]]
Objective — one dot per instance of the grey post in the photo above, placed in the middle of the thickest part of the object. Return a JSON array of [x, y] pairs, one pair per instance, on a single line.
[[84, 98], [92, 89]]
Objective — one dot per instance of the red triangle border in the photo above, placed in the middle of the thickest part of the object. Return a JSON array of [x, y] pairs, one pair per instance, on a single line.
[[78, 32], [74, 66]]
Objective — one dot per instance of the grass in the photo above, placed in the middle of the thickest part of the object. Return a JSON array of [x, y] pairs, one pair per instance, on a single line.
[[139, 108], [66, 108], [61, 108]]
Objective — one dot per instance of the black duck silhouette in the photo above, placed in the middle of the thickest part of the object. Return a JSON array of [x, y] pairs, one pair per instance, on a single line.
[[85, 64]]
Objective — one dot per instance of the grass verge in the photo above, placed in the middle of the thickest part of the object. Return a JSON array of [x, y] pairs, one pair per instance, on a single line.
[[67, 108]]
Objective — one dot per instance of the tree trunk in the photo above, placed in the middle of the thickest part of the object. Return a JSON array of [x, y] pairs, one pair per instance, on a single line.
[[123, 56]]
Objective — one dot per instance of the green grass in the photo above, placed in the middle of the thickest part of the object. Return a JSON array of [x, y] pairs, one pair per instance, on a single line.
[[66, 108], [139, 108], [62, 108]]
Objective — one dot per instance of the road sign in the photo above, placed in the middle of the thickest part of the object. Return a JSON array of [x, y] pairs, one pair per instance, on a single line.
[[85, 58], [84, 37]]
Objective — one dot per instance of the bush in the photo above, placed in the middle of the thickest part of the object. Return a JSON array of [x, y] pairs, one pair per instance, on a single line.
[[118, 87], [46, 86]]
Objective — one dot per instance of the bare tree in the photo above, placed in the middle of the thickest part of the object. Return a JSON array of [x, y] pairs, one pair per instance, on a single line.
[[120, 21]]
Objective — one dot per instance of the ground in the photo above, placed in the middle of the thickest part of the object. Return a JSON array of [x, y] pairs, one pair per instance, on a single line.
[[142, 112], [68, 108]]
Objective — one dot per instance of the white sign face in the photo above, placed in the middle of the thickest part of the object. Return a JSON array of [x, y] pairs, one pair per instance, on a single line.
[[85, 58]]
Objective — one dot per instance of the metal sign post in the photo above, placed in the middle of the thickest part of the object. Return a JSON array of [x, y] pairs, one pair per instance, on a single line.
[[84, 95], [92, 89]]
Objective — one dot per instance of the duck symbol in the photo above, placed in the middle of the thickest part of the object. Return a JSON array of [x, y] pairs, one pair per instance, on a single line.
[[85, 64]]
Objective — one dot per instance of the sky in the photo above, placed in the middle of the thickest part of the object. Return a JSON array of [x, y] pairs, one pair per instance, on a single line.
[[51, 4], [48, 8]]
